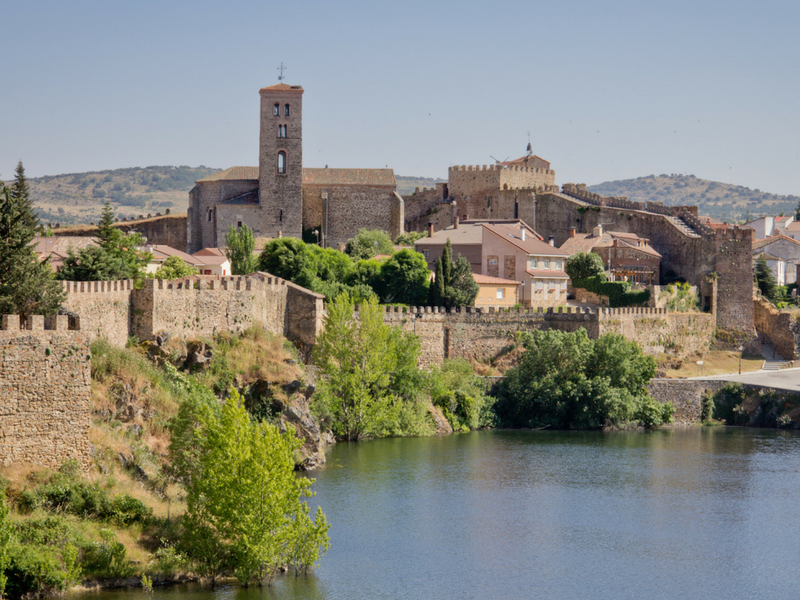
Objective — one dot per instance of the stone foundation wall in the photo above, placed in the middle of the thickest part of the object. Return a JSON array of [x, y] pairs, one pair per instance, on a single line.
[[782, 327], [686, 395], [44, 391]]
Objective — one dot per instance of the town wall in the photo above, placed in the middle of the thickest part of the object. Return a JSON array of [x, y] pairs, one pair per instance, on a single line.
[[169, 230], [781, 327], [686, 396], [44, 391], [104, 307], [464, 180]]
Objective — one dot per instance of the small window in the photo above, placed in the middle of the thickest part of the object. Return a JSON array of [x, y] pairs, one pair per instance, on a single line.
[[281, 131], [492, 261], [281, 162], [539, 285], [209, 215], [238, 225], [535, 263], [558, 265], [501, 293], [552, 285], [285, 110], [425, 253], [547, 264], [276, 110], [563, 286]]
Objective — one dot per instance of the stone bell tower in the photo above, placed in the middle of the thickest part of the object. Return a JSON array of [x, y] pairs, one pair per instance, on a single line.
[[280, 172]]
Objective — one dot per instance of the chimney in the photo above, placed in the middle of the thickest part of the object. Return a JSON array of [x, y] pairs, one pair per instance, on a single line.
[[571, 232], [552, 240], [522, 232], [598, 231], [455, 222], [430, 228]]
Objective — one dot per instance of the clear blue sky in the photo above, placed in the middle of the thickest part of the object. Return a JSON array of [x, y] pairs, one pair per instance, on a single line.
[[608, 90]]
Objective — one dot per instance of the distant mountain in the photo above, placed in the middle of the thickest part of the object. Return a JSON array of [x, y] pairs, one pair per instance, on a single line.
[[406, 184], [78, 197], [723, 201]]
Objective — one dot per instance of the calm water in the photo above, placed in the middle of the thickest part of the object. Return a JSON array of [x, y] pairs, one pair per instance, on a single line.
[[695, 513]]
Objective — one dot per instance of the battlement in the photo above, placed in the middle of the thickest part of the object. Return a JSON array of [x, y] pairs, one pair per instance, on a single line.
[[14, 324], [95, 287], [499, 168], [550, 312]]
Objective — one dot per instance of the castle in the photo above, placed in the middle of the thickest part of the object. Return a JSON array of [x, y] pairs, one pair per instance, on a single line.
[[282, 198]]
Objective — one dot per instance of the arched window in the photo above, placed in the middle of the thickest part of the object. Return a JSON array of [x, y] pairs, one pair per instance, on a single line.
[[282, 131], [286, 110], [281, 162], [276, 110]]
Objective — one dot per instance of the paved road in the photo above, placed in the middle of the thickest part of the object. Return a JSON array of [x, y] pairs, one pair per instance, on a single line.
[[785, 379]]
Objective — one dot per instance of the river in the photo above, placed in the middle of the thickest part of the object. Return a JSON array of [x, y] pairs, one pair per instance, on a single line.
[[679, 513]]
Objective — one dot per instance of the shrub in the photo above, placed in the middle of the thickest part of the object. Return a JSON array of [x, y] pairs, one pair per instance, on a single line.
[[106, 558]]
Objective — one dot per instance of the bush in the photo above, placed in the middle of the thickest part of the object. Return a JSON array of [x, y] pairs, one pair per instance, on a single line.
[[106, 558], [584, 264], [617, 292], [462, 396]]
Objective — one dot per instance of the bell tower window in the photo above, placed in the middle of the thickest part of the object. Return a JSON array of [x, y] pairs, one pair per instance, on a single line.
[[281, 162], [285, 110], [276, 110], [282, 131]]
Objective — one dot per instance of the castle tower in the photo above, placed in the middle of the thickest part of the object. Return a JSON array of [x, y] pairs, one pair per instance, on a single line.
[[280, 173]]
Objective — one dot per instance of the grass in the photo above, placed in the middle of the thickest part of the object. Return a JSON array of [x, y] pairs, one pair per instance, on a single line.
[[716, 362]]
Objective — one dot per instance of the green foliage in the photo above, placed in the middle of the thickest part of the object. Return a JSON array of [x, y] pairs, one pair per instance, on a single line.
[[368, 243], [239, 246], [618, 292], [243, 498], [765, 279], [118, 255], [567, 381], [584, 264], [453, 284], [174, 268], [462, 396], [370, 384], [147, 584], [680, 297], [27, 286], [408, 239], [106, 558], [404, 278], [5, 537]]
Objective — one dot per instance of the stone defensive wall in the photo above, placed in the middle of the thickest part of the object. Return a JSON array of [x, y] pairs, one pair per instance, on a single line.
[[686, 396], [169, 230], [44, 391], [781, 327], [469, 179], [483, 334], [195, 307]]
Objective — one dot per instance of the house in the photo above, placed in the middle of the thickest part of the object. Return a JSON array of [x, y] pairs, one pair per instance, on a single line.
[[782, 248], [56, 248], [505, 248], [770, 226], [776, 265], [495, 291], [627, 256], [212, 261]]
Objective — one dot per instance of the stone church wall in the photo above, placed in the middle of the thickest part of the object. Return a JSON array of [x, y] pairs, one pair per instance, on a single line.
[[44, 392], [169, 230]]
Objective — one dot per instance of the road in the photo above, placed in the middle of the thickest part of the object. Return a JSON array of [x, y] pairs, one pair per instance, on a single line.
[[785, 379]]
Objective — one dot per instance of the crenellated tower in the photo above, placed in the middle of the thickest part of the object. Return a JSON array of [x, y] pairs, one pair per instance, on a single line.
[[280, 178]]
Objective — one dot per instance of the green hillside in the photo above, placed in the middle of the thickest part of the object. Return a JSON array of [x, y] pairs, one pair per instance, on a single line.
[[719, 200], [407, 184], [75, 198]]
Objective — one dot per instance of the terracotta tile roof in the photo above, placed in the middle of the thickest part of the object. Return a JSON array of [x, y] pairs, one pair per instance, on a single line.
[[209, 252], [544, 273], [331, 177], [793, 226], [282, 87], [580, 242], [233, 174], [162, 252], [530, 245], [766, 256], [585, 242], [531, 161], [488, 280], [771, 240]]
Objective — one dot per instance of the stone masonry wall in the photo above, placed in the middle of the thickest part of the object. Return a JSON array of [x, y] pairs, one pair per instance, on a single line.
[[169, 230], [104, 308], [782, 327], [350, 208], [464, 180], [686, 395], [44, 392]]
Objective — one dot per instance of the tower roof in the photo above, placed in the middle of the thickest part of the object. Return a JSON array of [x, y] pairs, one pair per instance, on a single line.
[[282, 87]]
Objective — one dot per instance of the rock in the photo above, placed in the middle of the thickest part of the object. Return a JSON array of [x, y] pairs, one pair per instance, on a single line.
[[290, 361], [291, 387], [443, 426], [163, 337], [297, 415], [310, 389], [198, 355], [135, 430]]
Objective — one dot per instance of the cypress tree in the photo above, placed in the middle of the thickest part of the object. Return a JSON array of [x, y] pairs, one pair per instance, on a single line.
[[27, 286]]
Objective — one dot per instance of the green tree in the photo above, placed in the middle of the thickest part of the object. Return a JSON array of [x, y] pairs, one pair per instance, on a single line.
[[288, 258], [239, 246], [405, 278], [174, 268], [27, 286], [243, 498], [370, 384], [567, 381], [765, 279], [118, 255], [584, 264], [454, 284], [6, 528], [408, 239], [368, 243]]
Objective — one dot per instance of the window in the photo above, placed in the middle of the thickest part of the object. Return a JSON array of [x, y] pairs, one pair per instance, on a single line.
[[285, 110], [276, 110], [552, 285], [209, 215], [535, 263], [238, 225], [492, 261], [539, 285], [501, 293], [558, 265], [425, 253], [282, 131], [547, 263], [563, 286], [281, 162]]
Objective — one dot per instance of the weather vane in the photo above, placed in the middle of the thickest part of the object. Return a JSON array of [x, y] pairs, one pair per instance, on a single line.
[[282, 68]]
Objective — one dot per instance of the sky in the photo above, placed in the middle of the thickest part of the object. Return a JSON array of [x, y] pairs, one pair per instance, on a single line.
[[608, 90]]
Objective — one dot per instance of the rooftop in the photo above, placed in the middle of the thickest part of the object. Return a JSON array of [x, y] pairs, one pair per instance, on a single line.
[[771, 240], [585, 242], [331, 177], [530, 245], [282, 87], [487, 280], [233, 174]]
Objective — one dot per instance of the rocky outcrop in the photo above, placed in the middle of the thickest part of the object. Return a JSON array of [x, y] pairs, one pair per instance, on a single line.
[[441, 423], [296, 414]]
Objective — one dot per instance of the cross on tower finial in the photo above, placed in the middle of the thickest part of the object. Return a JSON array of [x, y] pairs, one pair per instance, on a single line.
[[282, 68]]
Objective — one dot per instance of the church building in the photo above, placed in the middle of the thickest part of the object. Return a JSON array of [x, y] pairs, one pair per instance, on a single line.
[[280, 198]]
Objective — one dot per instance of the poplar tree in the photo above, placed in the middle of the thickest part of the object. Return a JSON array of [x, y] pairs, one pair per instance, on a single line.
[[27, 286], [454, 284], [239, 246]]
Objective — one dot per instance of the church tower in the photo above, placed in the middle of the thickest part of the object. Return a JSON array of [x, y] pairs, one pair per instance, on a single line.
[[280, 165]]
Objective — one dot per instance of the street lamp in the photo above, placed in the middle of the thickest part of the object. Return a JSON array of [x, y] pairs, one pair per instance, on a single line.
[[741, 349]]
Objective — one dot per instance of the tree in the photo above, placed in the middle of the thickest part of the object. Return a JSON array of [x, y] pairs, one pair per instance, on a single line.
[[243, 498], [370, 384], [454, 284], [405, 278], [797, 211], [368, 243], [27, 286], [118, 255], [765, 279], [239, 246], [289, 259], [174, 268], [584, 264], [567, 381], [6, 527]]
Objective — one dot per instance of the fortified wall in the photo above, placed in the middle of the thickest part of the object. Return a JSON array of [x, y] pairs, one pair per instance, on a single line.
[[464, 180], [196, 307], [44, 391], [480, 334], [781, 327], [166, 229]]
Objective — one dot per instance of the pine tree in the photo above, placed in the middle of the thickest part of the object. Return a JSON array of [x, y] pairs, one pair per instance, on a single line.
[[27, 286], [765, 279]]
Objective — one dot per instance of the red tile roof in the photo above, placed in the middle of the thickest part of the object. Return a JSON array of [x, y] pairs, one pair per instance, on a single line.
[[161, 252], [530, 245], [488, 280], [547, 274], [771, 240], [332, 177], [233, 174], [282, 87], [530, 161]]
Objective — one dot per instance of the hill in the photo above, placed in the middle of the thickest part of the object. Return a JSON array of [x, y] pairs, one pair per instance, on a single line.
[[75, 198], [722, 201], [407, 184]]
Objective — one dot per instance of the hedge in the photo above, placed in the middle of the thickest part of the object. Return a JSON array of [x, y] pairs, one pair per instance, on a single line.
[[618, 292]]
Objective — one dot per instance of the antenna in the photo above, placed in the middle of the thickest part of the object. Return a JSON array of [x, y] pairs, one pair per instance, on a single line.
[[499, 161], [282, 68]]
